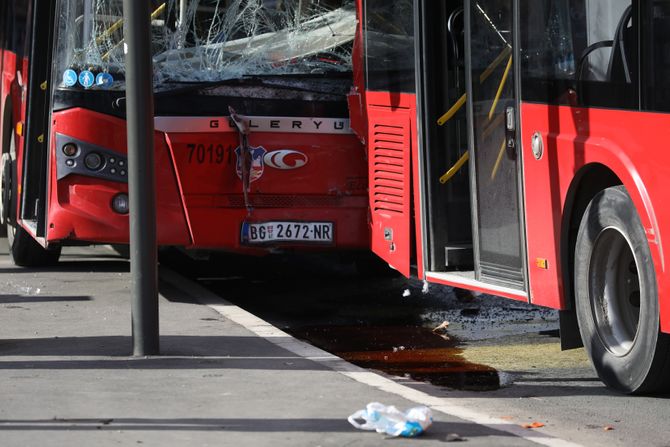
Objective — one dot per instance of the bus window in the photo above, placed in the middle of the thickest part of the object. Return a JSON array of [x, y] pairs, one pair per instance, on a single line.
[[656, 63], [389, 31], [580, 52]]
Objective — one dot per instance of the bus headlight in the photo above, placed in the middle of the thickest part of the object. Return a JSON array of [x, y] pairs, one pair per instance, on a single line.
[[120, 203], [70, 149]]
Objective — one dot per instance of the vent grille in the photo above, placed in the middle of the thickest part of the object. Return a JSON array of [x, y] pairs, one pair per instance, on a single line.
[[388, 168]]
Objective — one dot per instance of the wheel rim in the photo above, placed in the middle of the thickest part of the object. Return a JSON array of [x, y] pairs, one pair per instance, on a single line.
[[614, 290]]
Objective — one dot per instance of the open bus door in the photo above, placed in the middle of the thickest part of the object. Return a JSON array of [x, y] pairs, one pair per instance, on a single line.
[[470, 165], [494, 148], [37, 125], [470, 226]]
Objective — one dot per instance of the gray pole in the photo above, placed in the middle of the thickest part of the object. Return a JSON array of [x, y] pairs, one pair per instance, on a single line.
[[141, 177]]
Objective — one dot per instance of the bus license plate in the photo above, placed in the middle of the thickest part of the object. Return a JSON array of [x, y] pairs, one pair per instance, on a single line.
[[268, 232]]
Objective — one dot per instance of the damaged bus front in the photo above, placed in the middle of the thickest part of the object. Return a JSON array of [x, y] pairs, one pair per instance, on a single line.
[[253, 146]]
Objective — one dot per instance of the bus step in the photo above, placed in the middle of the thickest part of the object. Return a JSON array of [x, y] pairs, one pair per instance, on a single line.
[[458, 256]]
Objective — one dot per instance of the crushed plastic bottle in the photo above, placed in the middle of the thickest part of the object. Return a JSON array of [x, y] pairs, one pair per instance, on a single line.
[[391, 421]]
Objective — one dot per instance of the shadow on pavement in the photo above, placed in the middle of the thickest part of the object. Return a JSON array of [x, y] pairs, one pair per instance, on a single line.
[[177, 352], [437, 431], [113, 265], [19, 299]]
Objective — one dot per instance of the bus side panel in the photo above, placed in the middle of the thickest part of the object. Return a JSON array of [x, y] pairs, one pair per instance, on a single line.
[[80, 206], [389, 159], [544, 199], [628, 144]]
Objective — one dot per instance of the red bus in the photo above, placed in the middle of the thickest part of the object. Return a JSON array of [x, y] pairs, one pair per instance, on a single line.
[[296, 181], [517, 148]]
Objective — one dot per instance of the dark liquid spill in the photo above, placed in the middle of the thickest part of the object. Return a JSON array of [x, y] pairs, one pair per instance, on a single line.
[[411, 352]]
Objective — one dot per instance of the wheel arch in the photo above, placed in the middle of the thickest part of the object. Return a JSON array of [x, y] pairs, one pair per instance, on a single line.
[[589, 180]]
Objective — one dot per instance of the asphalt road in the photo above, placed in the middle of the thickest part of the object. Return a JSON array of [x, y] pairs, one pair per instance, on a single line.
[[498, 356]]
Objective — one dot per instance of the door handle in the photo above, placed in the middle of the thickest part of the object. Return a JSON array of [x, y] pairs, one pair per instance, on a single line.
[[510, 132]]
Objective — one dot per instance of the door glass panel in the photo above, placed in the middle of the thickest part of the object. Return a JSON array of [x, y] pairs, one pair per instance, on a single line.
[[494, 125]]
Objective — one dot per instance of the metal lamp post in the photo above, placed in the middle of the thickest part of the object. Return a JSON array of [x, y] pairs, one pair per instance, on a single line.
[[141, 177]]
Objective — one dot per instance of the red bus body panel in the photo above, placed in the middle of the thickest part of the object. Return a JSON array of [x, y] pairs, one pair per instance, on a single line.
[[200, 202], [79, 206], [330, 187], [626, 143], [368, 109], [391, 138]]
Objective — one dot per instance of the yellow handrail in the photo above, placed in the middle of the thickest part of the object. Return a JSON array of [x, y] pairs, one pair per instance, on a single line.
[[497, 61], [462, 100], [503, 81], [455, 168], [115, 26], [493, 125], [453, 110], [494, 172], [154, 14]]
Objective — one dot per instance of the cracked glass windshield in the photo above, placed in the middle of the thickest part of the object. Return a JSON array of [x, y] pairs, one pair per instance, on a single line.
[[205, 41]]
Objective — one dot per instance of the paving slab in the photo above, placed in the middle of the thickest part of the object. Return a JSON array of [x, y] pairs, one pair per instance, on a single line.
[[67, 376]]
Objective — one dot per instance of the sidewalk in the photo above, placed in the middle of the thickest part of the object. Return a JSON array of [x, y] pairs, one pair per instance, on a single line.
[[67, 377]]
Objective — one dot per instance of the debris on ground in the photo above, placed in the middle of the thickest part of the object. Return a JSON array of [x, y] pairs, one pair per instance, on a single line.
[[441, 327], [533, 425], [441, 330], [391, 421], [425, 289], [454, 437]]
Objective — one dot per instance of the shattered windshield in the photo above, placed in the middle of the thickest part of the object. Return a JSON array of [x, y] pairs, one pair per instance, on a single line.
[[197, 41]]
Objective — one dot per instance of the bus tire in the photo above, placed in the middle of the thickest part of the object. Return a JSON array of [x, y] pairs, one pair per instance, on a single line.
[[25, 251], [616, 297]]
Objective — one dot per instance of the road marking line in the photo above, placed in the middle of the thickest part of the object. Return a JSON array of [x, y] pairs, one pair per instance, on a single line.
[[263, 329]]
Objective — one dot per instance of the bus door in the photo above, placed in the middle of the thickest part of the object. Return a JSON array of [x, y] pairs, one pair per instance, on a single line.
[[499, 248], [35, 161]]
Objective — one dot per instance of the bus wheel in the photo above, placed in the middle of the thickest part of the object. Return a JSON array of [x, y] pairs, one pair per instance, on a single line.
[[616, 297], [24, 250]]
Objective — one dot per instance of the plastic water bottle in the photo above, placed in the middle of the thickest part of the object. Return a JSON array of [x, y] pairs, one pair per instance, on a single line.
[[391, 421]]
